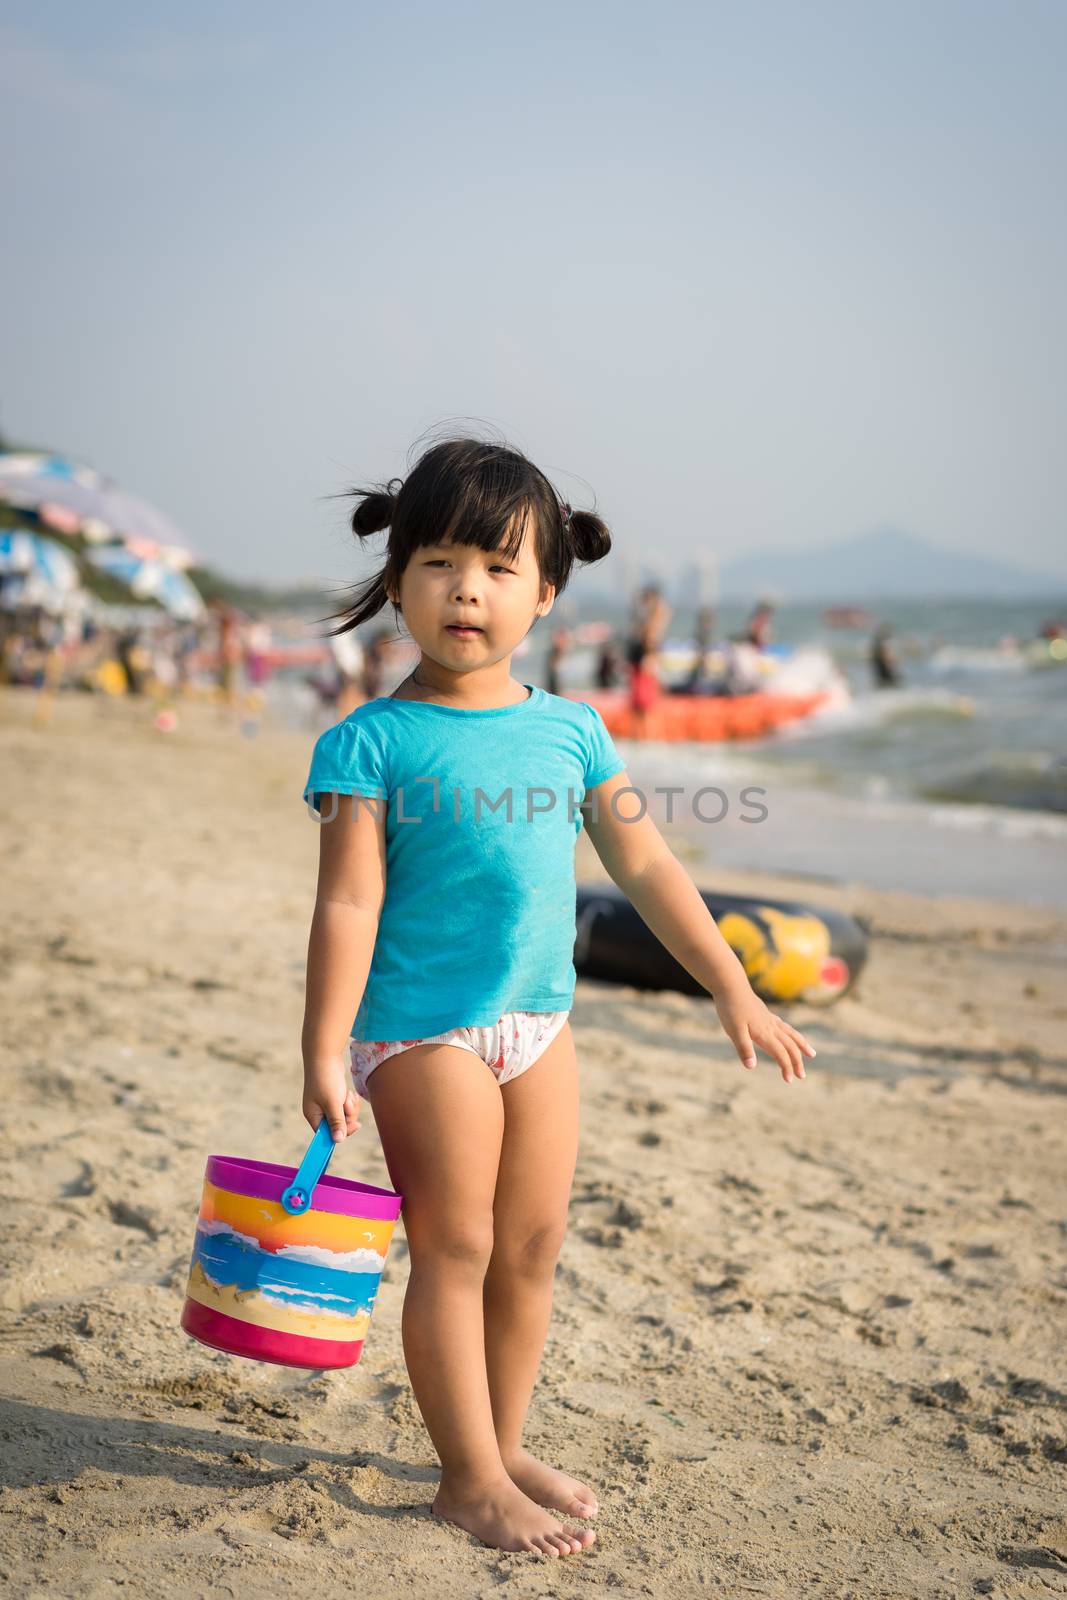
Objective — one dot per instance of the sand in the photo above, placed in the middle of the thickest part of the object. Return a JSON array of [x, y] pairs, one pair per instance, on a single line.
[[807, 1340]]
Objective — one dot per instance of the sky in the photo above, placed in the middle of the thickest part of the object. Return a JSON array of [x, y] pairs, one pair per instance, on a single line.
[[744, 276]]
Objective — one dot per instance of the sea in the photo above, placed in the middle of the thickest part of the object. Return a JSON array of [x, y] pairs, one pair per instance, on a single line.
[[952, 783]]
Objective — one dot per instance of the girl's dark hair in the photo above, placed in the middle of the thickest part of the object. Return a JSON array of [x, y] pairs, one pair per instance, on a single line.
[[467, 491]]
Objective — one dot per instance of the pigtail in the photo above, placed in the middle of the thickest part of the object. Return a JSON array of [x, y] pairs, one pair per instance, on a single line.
[[375, 508], [374, 512], [589, 536]]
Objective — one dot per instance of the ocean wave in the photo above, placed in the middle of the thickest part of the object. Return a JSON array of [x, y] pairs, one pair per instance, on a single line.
[[972, 817], [284, 1295], [362, 1260], [229, 1261], [214, 1228], [1023, 783]]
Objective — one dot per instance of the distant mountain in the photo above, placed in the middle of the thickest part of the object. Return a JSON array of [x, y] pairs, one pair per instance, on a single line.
[[249, 596], [884, 563]]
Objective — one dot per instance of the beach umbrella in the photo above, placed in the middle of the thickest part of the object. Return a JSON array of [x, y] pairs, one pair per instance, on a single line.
[[57, 489], [151, 579], [36, 571], [29, 552]]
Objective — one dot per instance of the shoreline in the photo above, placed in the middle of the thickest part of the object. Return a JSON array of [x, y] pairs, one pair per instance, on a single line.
[[816, 831], [929, 848]]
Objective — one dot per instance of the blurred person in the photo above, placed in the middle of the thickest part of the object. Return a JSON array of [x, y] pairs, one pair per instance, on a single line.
[[9, 631], [256, 640], [349, 660], [228, 643], [340, 687], [53, 636], [164, 668], [759, 624], [131, 658], [561, 643], [883, 660], [255, 643], [376, 663], [105, 670], [610, 665], [744, 672], [652, 616], [698, 681], [189, 643]]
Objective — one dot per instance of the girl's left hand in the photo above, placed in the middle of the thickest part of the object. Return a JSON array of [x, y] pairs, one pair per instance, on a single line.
[[748, 1022]]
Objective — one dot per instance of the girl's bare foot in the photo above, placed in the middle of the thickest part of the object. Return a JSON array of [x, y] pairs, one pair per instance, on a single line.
[[507, 1519], [550, 1487]]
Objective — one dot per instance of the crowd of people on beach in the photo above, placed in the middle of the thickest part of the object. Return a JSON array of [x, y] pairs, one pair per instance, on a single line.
[[635, 662], [230, 655], [227, 653]]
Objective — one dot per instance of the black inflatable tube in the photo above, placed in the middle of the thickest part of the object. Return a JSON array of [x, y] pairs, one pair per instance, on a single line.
[[790, 951]]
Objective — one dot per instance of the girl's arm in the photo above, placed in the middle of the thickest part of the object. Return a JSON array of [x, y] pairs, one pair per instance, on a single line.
[[344, 926], [640, 861]]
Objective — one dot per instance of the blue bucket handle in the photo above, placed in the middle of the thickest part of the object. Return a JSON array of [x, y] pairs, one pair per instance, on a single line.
[[297, 1198]]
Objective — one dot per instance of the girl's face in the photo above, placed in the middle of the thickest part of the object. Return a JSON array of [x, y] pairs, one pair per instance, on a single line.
[[499, 598]]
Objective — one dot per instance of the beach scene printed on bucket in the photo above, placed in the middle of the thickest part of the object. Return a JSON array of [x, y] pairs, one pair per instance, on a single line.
[[246, 1264]]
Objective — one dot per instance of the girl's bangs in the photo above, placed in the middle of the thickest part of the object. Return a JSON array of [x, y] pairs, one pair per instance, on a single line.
[[494, 528]]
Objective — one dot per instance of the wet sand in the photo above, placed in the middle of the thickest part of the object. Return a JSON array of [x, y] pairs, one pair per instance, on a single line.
[[806, 1340]]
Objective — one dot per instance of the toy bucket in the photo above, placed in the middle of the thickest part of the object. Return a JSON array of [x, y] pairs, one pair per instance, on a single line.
[[286, 1263]]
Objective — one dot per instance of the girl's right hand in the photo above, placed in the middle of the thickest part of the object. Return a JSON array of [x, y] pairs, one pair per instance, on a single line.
[[328, 1093]]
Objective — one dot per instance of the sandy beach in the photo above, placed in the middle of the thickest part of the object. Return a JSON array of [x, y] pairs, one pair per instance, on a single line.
[[807, 1340]]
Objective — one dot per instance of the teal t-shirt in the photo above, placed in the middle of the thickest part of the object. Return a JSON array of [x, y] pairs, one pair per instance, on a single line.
[[482, 822]]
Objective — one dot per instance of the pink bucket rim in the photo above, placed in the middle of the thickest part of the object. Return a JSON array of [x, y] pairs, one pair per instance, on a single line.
[[267, 1180]]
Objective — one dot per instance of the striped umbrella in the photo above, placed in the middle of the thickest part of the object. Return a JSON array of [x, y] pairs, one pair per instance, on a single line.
[[36, 571], [151, 579], [57, 490]]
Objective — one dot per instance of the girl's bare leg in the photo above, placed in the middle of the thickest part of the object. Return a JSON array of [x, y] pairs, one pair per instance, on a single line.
[[441, 1119], [537, 1158]]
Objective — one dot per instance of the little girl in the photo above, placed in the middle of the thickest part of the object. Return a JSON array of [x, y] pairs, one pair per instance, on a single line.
[[445, 924]]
